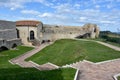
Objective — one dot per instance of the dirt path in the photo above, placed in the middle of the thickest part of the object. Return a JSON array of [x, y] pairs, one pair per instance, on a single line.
[[109, 45], [103, 43]]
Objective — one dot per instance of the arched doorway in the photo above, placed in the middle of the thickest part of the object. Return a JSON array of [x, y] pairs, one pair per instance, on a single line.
[[14, 45], [3, 48], [18, 35], [32, 35]]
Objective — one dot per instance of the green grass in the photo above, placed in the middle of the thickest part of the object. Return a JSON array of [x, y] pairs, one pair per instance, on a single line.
[[112, 43], [118, 78], [14, 72], [33, 74], [9, 54], [68, 51]]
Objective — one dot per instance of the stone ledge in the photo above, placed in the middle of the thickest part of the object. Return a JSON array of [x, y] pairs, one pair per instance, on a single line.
[[115, 76]]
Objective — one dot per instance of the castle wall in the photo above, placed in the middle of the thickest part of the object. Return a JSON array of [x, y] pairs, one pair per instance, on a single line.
[[53, 32], [61, 32], [8, 34]]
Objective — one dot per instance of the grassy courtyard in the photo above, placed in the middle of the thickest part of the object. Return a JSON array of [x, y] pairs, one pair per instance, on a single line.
[[67, 51], [9, 54], [33, 74], [14, 72]]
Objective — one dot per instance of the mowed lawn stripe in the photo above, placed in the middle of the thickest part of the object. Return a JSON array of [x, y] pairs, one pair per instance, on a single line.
[[66, 51]]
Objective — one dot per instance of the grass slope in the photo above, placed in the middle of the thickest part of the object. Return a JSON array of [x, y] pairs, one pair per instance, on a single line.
[[67, 51], [13, 72], [33, 74], [118, 78], [9, 54]]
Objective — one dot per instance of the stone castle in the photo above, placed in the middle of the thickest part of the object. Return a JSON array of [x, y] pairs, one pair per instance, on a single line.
[[30, 32]]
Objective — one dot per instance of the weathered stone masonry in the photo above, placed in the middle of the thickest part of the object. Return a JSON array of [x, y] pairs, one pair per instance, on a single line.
[[32, 33], [8, 35], [35, 32]]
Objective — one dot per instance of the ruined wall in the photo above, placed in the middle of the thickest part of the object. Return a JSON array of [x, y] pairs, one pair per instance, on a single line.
[[52, 32]]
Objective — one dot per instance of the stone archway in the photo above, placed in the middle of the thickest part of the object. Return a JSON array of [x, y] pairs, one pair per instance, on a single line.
[[3, 48], [14, 45]]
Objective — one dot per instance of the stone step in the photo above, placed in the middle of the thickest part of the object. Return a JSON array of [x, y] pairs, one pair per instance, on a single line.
[[26, 64], [47, 66]]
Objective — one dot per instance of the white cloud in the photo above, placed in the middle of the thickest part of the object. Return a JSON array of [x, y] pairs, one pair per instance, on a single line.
[[77, 5], [30, 12], [14, 4], [44, 2], [83, 18], [107, 22], [63, 8], [52, 16], [97, 6], [89, 11], [109, 6], [46, 15]]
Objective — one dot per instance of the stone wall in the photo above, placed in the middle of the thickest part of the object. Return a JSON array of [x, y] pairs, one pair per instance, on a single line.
[[7, 25], [10, 43], [54, 32], [24, 33], [8, 34]]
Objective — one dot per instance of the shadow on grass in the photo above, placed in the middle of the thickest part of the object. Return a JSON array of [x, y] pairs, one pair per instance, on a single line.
[[30, 74]]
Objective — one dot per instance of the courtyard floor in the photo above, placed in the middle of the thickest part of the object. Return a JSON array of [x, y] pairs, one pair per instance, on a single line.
[[87, 70]]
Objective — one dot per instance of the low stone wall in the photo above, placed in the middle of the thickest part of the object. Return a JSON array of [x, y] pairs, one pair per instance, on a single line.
[[116, 76]]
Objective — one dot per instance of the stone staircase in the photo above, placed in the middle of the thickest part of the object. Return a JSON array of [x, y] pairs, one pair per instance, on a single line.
[[36, 42]]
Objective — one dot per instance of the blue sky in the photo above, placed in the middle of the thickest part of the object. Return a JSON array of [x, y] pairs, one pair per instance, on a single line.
[[104, 13]]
